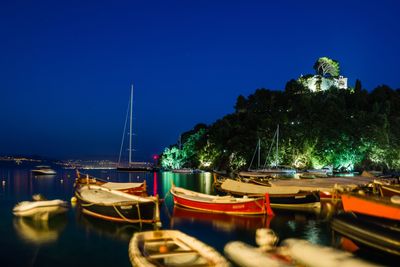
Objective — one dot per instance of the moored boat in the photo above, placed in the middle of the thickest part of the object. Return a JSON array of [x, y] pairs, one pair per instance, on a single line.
[[129, 188], [280, 197], [221, 204], [40, 209], [307, 254], [380, 207], [183, 170], [292, 252], [43, 170], [114, 205], [383, 236], [171, 248], [389, 190]]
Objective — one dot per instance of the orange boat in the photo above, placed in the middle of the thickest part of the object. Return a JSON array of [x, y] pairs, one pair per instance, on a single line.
[[388, 208]]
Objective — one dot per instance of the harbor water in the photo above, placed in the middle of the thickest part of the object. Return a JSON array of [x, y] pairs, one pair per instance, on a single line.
[[74, 239]]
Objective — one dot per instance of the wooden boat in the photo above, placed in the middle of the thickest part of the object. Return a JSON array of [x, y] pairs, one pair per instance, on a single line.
[[221, 204], [380, 235], [40, 209], [280, 197], [43, 170], [171, 248], [129, 188], [114, 205], [372, 206], [389, 190]]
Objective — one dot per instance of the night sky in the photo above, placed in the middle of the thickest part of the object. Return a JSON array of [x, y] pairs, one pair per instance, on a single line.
[[66, 66]]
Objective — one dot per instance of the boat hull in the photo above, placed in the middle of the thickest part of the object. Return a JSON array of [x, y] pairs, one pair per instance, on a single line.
[[252, 206], [372, 206], [302, 200], [365, 232], [113, 205]]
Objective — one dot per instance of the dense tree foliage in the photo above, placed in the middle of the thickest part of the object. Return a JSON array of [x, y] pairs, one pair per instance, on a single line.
[[343, 128]]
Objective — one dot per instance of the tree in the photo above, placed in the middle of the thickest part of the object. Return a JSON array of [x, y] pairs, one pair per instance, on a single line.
[[324, 66]]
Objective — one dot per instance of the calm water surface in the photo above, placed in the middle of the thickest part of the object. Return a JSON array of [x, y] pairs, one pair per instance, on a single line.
[[78, 240]]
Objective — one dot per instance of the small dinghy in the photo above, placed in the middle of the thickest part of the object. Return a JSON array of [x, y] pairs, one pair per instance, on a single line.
[[292, 252], [40, 209], [43, 170], [113, 205], [171, 248]]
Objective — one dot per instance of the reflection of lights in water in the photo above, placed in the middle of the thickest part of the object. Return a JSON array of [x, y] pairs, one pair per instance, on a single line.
[[312, 232], [292, 225], [207, 182], [3, 183], [38, 232]]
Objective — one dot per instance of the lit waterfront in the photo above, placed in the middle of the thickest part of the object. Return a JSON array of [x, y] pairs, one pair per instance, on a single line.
[[78, 240]]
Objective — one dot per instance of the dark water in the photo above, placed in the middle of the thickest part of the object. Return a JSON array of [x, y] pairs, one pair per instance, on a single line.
[[78, 240]]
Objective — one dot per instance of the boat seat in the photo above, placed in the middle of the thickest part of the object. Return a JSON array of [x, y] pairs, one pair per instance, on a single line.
[[172, 254]]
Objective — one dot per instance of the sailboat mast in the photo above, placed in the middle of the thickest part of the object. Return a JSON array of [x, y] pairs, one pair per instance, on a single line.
[[259, 148], [130, 126], [277, 145]]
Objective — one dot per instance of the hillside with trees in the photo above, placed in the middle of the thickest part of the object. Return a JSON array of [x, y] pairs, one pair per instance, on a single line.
[[349, 129]]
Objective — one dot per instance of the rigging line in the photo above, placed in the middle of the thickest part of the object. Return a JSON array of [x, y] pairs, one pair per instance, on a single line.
[[255, 151], [123, 133], [270, 148]]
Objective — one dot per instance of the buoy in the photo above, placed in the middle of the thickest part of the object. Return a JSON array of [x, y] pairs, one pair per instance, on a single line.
[[163, 249]]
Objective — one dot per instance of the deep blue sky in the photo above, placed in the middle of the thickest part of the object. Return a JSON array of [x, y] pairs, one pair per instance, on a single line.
[[66, 66]]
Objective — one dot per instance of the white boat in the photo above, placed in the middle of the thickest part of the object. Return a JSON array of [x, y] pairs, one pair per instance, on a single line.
[[183, 170], [43, 170], [114, 205], [171, 248], [323, 172], [292, 252], [40, 209], [308, 254]]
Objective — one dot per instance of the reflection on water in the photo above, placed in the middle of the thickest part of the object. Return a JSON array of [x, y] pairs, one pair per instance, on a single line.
[[39, 232], [84, 236], [117, 231], [223, 222]]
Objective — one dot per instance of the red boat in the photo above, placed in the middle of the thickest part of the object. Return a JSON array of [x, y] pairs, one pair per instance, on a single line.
[[221, 204], [387, 208], [138, 189]]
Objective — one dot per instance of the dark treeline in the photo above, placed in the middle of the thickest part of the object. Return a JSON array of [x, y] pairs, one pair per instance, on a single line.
[[346, 128]]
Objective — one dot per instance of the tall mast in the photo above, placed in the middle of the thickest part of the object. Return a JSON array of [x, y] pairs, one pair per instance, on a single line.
[[277, 145], [130, 126], [259, 148]]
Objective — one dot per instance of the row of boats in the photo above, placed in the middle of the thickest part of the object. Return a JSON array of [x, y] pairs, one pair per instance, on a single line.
[[129, 203]]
